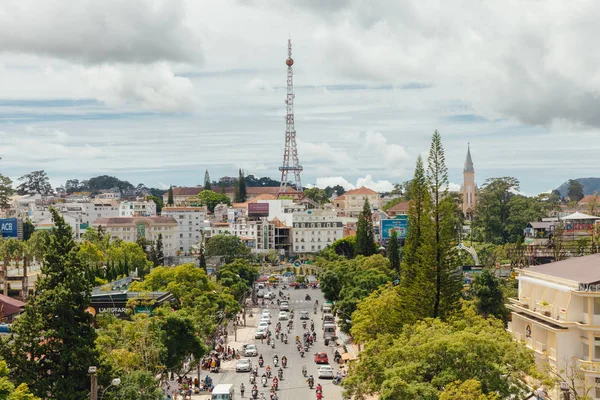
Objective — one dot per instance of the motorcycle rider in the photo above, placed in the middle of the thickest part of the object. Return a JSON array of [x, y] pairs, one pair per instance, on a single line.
[[312, 325], [280, 373], [242, 389], [268, 371], [254, 391], [284, 361], [304, 369], [263, 379], [311, 381], [275, 382], [275, 360], [319, 388], [260, 360]]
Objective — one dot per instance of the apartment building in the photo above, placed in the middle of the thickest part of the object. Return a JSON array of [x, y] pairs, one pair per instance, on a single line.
[[557, 315], [183, 196], [191, 223], [137, 209], [314, 230], [351, 203], [130, 229]]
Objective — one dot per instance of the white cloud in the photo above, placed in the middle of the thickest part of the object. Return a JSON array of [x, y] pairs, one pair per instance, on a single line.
[[367, 181], [392, 155], [97, 32], [454, 187], [318, 152], [333, 181]]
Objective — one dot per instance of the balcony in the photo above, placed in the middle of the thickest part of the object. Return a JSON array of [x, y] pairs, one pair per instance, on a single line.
[[540, 347]]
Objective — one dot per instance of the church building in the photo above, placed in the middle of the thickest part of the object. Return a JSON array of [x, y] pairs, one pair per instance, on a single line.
[[469, 189]]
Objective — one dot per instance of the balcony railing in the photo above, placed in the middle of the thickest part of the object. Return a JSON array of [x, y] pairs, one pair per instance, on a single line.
[[540, 347], [552, 353]]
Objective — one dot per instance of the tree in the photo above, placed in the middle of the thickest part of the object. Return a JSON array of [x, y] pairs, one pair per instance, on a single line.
[[72, 185], [228, 246], [28, 229], [10, 249], [6, 191], [489, 298], [207, 184], [240, 193], [575, 190], [393, 251], [36, 182], [170, 197], [53, 341], [467, 390], [160, 255], [592, 204], [317, 195], [448, 284], [492, 210], [365, 237], [8, 391], [211, 199], [428, 356], [136, 385]]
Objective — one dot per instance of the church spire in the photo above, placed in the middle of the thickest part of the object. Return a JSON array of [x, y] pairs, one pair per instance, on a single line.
[[468, 161]]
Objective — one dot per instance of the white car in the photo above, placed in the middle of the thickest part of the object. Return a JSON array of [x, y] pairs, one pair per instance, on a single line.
[[284, 306], [265, 319], [283, 316], [325, 371], [263, 324], [260, 333], [266, 312], [243, 365], [269, 295], [304, 314], [250, 350], [260, 293]]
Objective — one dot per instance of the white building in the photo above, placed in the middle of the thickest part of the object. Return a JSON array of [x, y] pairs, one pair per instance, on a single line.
[[351, 203], [557, 315], [314, 230], [191, 221], [130, 229], [137, 209]]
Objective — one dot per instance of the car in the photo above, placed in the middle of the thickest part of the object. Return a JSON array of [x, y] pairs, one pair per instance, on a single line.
[[266, 318], [263, 324], [270, 295], [304, 314], [284, 306], [260, 333], [325, 371], [250, 350], [321, 358], [260, 293], [261, 285], [283, 316], [243, 365]]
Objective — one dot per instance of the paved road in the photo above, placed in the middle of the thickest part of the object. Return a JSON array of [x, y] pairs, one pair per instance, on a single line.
[[293, 386]]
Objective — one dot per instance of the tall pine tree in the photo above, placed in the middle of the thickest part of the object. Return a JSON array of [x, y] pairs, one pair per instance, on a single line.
[[447, 281], [160, 255], [240, 192], [207, 183], [53, 341], [393, 251], [170, 196], [365, 237]]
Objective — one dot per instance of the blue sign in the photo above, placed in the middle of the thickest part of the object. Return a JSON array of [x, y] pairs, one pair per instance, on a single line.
[[9, 227], [398, 225]]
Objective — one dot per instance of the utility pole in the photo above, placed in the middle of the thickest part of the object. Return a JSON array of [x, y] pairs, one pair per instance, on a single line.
[[93, 383]]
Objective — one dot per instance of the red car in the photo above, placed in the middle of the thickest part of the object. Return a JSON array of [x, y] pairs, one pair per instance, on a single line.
[[321, 358]]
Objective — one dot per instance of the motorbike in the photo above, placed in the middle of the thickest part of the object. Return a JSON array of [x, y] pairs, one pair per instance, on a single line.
[[260, 362], [273, 344], [277, 334], [284, 363], [307, 297], [311, 384], [314, 336], [305, 347], [336, 380], [276, 362], [289, 330], [254, 394], [304, 371], [319, 396], [301, 353], [304, 324], [269, 374], [285, 340], [275, 386], [280, 374], [264, 381], [252, 379]]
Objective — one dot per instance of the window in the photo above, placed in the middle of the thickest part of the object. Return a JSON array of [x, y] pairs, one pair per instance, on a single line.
[[596, 305], [596, 349]]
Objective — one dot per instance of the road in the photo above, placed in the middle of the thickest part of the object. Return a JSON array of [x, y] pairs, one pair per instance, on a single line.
[[293, 386]]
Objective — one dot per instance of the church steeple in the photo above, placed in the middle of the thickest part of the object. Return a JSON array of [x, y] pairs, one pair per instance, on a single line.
[[468, 161]]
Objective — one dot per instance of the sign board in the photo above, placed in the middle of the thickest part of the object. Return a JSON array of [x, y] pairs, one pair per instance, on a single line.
[[11, 228], [258, 209], [400, 225]]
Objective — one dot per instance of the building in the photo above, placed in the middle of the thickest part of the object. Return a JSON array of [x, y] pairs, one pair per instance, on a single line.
[[557, 315], [398, 209], [10, 308], [351, 203], [137, 209], [469, 189], [192, 221], [314, 230], [254, 191], [109, 194], [183, 196], [130, 229]]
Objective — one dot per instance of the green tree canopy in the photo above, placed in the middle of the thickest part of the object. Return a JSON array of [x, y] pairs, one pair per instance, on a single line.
[[365, 236], [211, 199], [316, 194], [207, 182], [393, 251], [170, 200], [36, 182], [228, 246], [575, 190], [467, 390], [6, 190], [489, 297], [8, 391]]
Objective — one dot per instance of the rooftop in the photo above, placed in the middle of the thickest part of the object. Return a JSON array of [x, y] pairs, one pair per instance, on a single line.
[[400, 207], [186, 191], [131, 220], [584, 269], [360, 190], [578, 216]]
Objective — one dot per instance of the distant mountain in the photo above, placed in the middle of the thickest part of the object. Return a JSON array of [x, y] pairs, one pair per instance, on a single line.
[[590, 185]]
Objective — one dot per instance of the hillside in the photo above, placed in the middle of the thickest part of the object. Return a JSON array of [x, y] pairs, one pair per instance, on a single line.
[[590, 185]]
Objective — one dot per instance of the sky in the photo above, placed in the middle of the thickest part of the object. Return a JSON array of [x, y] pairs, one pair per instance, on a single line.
[[158, 91]]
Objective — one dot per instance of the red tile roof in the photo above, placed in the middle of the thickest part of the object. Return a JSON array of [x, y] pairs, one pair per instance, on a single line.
[[258, 190], [400, 207], [187, 191], [360, 190], [589, 198], [10, 306]]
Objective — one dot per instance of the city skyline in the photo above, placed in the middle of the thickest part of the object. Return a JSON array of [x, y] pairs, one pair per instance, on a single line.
[[175, 88]]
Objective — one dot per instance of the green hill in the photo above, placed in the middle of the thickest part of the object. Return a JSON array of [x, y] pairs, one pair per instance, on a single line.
[[590, 186]]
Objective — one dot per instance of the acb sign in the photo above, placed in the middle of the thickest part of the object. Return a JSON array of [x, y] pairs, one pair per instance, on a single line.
[[9, 227]]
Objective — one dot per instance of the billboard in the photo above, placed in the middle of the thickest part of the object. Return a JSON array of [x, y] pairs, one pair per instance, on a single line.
[[9, 227], [400, 225], [258, 209]]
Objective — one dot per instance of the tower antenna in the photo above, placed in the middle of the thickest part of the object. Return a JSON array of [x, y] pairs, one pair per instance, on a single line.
[[290, 153]]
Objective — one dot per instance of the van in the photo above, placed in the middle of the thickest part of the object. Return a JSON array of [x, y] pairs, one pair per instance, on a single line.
[[326, 309], [329, 332], [328, 319], [223, 391]]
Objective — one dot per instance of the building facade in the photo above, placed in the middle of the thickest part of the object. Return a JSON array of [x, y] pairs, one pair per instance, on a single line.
[[183, 196], [469, 189], [130, 229], [137, 209], [314, 230], [557, 315], [351, 203], [191, 224]]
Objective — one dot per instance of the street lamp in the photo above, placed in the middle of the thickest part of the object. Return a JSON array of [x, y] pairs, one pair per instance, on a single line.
[[115, 382], [564, 388]]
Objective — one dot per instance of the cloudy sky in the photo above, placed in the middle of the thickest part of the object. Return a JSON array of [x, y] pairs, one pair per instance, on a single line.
[[158, 91]]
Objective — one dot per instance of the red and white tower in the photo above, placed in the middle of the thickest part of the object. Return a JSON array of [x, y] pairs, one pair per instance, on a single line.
[[290, 153]]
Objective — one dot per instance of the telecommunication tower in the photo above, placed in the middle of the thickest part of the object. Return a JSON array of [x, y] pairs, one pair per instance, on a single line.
[[290, 153]]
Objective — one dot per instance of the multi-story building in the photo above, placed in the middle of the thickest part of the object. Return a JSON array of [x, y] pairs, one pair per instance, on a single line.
[[183, 196], [192, 222], [137, 209], [557, 315], [130, 229], [78, 215], [313, 230], [351, 203]]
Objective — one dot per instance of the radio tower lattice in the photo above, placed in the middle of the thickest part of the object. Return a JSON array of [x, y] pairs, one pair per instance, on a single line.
[[290, 153]]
